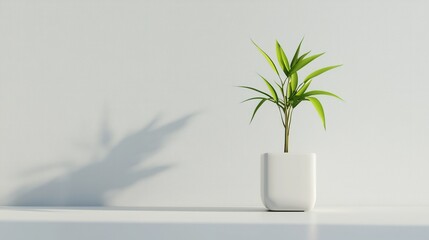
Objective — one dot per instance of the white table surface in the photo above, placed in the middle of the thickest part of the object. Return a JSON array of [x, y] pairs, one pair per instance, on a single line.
[[213, 223]]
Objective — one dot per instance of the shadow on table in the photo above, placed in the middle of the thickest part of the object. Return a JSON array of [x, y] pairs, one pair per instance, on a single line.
[[89, 185], [215, 231], [146, 209], [180, 209]]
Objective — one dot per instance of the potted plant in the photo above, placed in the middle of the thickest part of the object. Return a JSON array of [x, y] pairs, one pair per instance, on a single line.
[[288, 180]]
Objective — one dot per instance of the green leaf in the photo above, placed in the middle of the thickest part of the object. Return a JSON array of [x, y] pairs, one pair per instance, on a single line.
[[293, 82], [295, 56], [304, 62], [256, 109], [282, 59], [303, 56], [318, 106], [279, 56], [256, 90], [303, 88], [273, 66], [320, 71], [295, 102], [280, 87], [289, 90], [253, 98], [320, 92], [271, 88], [281, 90], [280, 104]]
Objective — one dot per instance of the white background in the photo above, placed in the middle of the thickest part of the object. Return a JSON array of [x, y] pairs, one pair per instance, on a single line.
[[132, 103]]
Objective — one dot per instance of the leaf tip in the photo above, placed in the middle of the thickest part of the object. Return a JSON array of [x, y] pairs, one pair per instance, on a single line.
[[254, 43]]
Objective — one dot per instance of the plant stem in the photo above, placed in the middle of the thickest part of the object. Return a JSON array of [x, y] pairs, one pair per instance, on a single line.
[[288, 120], [286, 147], [281, 116]]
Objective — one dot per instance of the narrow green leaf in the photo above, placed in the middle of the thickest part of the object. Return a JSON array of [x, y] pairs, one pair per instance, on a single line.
[[281, 90], [318, 106], [303, 88], [280, 87], [302, 57], [271, 88], [282, 59], [256, 109], [320, 92], [320, 71], [289, 90], [279, 103], [296, 55], [273, 66], [256, 90], [293, 82], [296, 102], [253, 98], [304, 62]]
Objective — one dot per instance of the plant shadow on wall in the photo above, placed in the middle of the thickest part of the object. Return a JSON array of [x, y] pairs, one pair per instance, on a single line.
[[89, 184]]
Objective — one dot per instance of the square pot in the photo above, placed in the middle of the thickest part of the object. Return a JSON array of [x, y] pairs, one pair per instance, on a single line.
[[288, 181]]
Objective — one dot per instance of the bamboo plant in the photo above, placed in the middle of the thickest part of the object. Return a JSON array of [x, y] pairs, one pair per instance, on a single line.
[[289, 90]]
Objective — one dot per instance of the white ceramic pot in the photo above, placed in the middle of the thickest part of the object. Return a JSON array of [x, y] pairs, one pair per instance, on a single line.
[[288, 181]]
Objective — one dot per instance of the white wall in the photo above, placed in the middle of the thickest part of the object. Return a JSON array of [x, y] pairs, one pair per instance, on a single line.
[[133, 102]]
